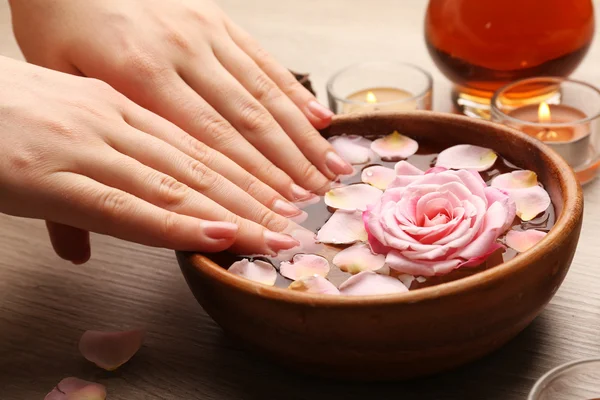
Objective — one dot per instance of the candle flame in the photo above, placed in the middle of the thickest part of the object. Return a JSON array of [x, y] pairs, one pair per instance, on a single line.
[[544, 113], [371, 97]]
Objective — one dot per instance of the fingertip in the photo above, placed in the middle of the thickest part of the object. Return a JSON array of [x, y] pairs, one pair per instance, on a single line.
[[220, 230], [319, 115]]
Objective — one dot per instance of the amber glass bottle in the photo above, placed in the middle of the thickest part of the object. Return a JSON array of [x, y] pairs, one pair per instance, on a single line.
[[481, 45]]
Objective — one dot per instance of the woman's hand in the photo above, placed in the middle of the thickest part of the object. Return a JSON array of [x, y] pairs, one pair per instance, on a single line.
[[79, 154], [186, 61]]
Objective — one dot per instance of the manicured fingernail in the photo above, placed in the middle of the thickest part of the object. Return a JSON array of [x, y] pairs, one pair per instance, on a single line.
[[319, 110], [285, 209], [219, 230], [337, 165], [300, 193], [278, 241]]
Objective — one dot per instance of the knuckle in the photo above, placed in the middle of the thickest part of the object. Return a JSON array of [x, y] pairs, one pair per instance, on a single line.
[[200, 151], [170, 226], [114, 203], [179, 41], [142, 65], [171, 192], [206, 178], [272, 221], [292, 88], [265, 89], [254, 118], [214, 125], [309, 172]]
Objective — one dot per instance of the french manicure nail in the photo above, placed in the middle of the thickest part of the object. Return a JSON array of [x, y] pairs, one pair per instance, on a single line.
[[300, 193], [219, 230], [319, 110], [285, 208], [278, 241], [337, 165]]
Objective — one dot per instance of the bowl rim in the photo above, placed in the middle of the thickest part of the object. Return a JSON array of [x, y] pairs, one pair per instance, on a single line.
[[565, 223]]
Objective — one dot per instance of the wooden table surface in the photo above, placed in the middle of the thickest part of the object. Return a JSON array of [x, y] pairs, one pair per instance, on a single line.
[[46, 303]]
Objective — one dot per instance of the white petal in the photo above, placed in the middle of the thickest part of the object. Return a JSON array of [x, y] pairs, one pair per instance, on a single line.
[[257, 271], [370, 283], [314, 284], [303, 266], [394, 146], [343, 227], [352, 197], [378, 176], [358, 258], [466, 156]]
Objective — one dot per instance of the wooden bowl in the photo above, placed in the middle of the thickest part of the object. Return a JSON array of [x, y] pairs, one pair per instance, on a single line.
[[411, 334]]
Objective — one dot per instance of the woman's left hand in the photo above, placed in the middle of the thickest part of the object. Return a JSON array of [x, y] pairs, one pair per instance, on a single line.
[[188, 62]]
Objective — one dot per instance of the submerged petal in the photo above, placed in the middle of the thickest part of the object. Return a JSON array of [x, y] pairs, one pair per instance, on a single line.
[[303, 266], [353, 149], [370, 283], [77, 389], [257, 271], [358, 258], [110, 350], [522, 241], [466, 156], [343, 227], [314, 284], [352, 197], [378, 176], [395, 146]]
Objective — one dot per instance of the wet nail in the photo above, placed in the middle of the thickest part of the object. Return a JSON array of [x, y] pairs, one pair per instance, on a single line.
[[319, 110], [285, 209], [300, 193], [337, 165], [219, 230], [278, 241]]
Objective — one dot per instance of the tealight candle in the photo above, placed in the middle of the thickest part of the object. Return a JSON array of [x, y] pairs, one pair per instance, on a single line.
[[379, 86]]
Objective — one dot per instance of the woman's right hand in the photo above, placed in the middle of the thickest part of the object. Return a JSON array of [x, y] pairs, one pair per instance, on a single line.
[[80, 155]]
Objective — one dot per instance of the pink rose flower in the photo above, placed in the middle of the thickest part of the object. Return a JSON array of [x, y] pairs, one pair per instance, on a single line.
[[430, 223]]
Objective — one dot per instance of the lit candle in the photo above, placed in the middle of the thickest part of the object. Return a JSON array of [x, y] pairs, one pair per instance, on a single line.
[[380, 99], [556, 126]]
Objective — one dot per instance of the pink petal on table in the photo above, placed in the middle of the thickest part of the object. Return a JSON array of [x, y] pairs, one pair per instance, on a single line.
[[522, 241], [353, 149], [515, 180], [358, 258], [466, 156], [370, 283], [314, 284], [395, 146], [110, 350], [308, 202], [257, 271], [353, 197], [378, 176], [77, 389], [343, 227], [303, 266]]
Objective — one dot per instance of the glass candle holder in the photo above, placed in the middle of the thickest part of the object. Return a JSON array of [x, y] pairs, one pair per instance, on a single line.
[[379, 86], [578, 380], [562, 113]]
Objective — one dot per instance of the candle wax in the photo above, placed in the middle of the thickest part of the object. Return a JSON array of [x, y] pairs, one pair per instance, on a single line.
[[559, 114], [380, 99]]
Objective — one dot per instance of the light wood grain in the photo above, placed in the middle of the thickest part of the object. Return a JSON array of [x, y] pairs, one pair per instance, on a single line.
[[45, 303]]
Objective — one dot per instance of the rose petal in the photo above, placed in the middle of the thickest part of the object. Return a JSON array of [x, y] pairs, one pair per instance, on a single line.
[[406, 279], [398, 262], [378, 176], [523, 188], [110, 350], [522, 241], [352, 197], [77, 389], [314, 284], [466, 156], [358, 258], [343, 227], [370, 283], [303, 266], [406, 168], [394, 146], [257, 271], [353, 149], [520, 179]]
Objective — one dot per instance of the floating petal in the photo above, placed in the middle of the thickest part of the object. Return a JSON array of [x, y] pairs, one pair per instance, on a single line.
[[358, 258], [257, 271], [378, 176], [343, 227], [353, 197], [77, 389], [314, 284], [522, 241], [406, 279], [395, 146], [304, 266], [110, 350], [353, 149], [370, 283], [523, 188], [466, 156]]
